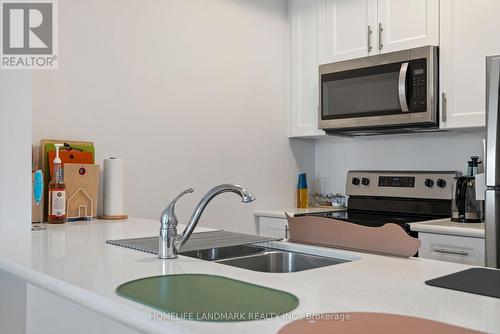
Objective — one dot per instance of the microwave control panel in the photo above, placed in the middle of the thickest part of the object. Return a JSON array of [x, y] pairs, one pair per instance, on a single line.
[[418, 85]]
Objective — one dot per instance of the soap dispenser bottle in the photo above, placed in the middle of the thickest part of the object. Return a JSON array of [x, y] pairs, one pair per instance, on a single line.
[[302, 192], [57, 192]]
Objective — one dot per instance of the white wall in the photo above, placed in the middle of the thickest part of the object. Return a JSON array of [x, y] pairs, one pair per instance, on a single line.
[[15, 151], [15, 191], [424, 151], [188, 92]]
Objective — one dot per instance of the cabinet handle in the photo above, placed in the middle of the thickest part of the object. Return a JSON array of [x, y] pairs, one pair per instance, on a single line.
[[380, 29], [444, 100], [370, 39], [450, 251]]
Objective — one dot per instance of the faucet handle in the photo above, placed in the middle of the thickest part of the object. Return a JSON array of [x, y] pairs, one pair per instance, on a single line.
[[187, 191], [168, 217]]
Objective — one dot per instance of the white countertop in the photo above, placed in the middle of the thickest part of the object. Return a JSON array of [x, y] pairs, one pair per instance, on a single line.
[[73, 261], [446, 226], [280, 213]]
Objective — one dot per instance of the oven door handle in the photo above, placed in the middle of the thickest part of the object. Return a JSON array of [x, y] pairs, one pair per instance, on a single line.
[[402, 87]]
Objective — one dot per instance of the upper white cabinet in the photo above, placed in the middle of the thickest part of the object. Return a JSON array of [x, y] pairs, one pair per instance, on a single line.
[[348, 29], [305, 59], [325, 31], [359, 28], [406, 24], [469, 32]]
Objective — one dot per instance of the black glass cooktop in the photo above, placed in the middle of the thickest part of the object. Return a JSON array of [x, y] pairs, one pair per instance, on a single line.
[[375, 219]]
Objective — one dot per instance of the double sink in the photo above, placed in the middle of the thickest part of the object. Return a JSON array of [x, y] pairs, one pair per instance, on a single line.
[[245, 251], [263, 259]]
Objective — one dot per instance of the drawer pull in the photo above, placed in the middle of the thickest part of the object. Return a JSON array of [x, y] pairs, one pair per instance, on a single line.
[[380, 30], [369, 39], [444, 101], [450, 251]]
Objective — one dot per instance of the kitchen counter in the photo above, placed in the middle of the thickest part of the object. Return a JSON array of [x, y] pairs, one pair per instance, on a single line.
[[446, 226], [73, 261], [280, 213]]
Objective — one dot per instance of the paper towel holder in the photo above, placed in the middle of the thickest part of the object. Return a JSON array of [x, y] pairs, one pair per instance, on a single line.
[[117, 217], [112, 217]]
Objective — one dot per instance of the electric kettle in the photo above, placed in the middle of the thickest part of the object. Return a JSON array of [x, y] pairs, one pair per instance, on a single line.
[[464, 206]]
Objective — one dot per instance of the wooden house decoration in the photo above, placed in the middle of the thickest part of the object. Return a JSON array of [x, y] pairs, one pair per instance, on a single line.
[[82, 184], [80, 206]]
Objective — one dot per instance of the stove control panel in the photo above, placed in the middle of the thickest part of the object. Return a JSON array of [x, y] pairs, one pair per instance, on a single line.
[[407, 184], [396, 181]]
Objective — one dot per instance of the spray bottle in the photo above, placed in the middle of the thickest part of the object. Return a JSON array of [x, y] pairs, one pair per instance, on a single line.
[[38, 192], [57, 192]]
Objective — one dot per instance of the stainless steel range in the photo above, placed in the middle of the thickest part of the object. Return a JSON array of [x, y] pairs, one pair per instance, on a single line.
[[399, 197]]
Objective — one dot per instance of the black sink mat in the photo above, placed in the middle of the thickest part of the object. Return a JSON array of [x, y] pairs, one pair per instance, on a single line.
[[480, 281]]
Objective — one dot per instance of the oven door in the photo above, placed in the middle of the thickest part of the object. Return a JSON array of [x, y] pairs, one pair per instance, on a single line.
[[394, 90]]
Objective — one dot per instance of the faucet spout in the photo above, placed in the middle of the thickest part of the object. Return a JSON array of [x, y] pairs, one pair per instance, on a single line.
[[246, 197], [169, 241]]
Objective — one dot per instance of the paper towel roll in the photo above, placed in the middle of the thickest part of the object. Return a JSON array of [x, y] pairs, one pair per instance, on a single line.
[[113, 187]]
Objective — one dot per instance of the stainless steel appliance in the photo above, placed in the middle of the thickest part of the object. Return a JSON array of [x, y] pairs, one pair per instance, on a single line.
[[492, 167], [465, 208], [392, 92], [399, 197]]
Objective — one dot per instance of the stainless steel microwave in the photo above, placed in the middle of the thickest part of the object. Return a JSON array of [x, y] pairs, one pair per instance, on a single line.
[[392, 92]]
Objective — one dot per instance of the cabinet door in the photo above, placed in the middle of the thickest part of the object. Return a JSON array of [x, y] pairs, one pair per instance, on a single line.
[[349, 28], [304, 68], [452, 248], [405, 24], [469, 33], [272, 227]]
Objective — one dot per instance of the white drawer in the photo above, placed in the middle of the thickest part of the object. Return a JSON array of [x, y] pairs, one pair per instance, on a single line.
[[452, 248], [272, 227]]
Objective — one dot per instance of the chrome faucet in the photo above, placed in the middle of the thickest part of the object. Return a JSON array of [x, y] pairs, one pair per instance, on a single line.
[[169, 241]]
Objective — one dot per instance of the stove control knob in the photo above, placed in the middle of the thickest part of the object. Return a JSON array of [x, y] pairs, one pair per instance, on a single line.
[[429, 183], [441, 183], [365, 181], [355, 181]]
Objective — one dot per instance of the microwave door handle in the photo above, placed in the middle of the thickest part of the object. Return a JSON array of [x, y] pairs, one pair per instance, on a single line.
[[402, 87]]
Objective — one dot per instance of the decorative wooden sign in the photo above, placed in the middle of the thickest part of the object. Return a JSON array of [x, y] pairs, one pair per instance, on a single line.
[[82, 185], [389, 239]]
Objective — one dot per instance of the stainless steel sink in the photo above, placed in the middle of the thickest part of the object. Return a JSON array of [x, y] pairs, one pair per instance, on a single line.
[[264, 259], [277, 261], [214, 254]]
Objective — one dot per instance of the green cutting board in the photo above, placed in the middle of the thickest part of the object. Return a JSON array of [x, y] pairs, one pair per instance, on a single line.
[[208, 297]]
